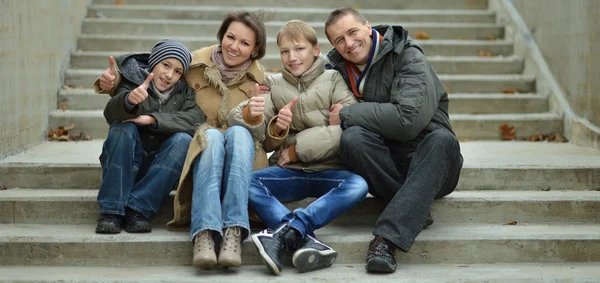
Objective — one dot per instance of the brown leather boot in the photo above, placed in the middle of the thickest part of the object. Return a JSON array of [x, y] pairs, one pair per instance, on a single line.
[[231, 248], [204, 250]]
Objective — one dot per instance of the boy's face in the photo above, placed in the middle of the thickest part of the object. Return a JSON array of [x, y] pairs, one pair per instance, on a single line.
[[238, 44], [166, 73], [351, 39], [297, 56]]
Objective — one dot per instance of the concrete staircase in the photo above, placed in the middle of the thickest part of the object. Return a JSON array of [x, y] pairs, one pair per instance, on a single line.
[[48, 214]]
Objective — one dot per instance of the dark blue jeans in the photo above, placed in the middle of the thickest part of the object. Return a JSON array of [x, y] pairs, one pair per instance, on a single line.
[[134, 178], [406, 175], [336, 190]]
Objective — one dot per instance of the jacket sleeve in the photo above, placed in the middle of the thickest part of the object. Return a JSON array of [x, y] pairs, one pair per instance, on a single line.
[[413, 102], [318, 143], [187, 119], [240, 116], [116, 109], [341, 92]]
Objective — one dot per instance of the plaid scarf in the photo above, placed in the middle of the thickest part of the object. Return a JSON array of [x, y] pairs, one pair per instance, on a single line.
[[358, 78]]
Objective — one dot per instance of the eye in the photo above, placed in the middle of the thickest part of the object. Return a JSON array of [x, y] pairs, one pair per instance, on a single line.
[[178, 72], [165, 64], [299, 49], [284, 52], [246, 43], [230, 36]]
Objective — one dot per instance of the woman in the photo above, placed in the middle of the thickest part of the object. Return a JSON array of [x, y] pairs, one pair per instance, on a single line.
[[212, 194]]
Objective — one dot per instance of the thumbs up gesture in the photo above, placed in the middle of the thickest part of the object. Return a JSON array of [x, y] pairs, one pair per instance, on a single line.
[[284, 118], [107, 79], [140, 93], [256, 103]]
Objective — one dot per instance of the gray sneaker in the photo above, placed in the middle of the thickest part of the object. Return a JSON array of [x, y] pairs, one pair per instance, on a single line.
[[313, 255]]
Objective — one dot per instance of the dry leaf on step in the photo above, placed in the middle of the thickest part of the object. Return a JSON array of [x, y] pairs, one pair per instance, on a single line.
[[508, 91], [421, 35], [2, 187], [507, 132], [511, 223], [119, 3], [486, 54], [63, 106], [536, 137]]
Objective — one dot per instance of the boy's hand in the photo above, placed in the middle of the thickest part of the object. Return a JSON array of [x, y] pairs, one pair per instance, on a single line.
[[140, 93], [107, 79], [256, 104], [284, 118], [284, 158], [264, 89], [334, 114], [142, 120]]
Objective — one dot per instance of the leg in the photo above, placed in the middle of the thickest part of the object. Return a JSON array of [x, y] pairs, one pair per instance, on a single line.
[[206, 203], [162, 175], [239, 157], [121, 157], [366, 153], [337, 192]]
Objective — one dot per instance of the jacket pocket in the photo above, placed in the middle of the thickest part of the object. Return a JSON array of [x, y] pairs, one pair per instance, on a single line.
[[408, 93]]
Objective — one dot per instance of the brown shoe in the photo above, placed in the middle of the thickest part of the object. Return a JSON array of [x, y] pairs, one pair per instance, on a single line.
[[231, 248], [204, 250]]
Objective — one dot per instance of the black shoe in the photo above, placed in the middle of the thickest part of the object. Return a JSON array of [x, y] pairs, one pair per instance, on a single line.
[[109, 224], [271, 243], [313, 255], [428, 221], [380, 257], [135, 222]]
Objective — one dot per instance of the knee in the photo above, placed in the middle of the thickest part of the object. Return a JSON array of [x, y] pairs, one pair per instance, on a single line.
[[214, 136], [360, 187], [181, 142], [239, 138], [351, 139], [445, 140], [238, 133], [120, 130]]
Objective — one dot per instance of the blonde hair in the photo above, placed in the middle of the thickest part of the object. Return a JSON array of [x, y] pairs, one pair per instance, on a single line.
[[296, 30]]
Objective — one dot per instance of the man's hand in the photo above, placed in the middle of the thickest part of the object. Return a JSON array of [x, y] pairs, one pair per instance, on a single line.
[[334, 114], [284, 158], [107, 79], [284, 118], [256, 103], [140, 93], [142, 120]]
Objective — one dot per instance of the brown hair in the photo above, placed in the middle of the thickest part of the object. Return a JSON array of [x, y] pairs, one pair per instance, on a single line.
[[297, 30], [254, 21], [338, 13]]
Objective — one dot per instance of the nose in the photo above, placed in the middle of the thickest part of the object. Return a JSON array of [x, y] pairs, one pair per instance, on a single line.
[[169, 74], [293, 56], [349, 42], [234, 45]]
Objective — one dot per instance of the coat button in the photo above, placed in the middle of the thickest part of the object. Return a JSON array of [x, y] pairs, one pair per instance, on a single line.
[[250, 92], [197, 86]]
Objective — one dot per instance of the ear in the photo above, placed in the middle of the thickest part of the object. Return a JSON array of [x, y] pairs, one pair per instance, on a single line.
[[317, 50], [368, 25]]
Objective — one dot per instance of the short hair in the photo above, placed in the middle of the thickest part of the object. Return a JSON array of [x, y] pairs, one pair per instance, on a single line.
[[338, 13], [254, 21], [296, 30]]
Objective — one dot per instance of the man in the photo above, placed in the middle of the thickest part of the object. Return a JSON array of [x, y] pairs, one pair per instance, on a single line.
[[399, 138]]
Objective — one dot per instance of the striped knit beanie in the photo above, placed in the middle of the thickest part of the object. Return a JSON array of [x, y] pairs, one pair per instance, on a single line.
[[169, 48]]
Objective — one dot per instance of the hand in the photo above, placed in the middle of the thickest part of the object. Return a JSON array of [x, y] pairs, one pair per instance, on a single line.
[[334, 114], [284, 118], [107, 79], [256, 103], [140, 93], [284, 158], [142, 120], [264, 89]]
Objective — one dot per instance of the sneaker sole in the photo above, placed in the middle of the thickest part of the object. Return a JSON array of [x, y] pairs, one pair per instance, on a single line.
[[108, 231], [266, 259], [205, 264], [379, 266], [139, 230], [306, 260]]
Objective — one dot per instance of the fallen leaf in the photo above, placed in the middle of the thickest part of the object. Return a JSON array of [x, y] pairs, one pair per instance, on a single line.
[[556, 137], [119, 3], [511, 223], [545, 189], [508, 91], [486, 54], [3, 187], [490, 38], [421, 35], [507, 132], [536, 137], [349, 266], [63, 106]]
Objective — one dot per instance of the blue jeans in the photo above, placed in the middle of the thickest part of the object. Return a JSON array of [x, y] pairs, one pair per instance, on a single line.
[[134, 178], [221, 179], [336, 190]]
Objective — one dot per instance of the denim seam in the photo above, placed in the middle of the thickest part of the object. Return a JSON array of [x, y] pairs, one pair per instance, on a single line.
[[271, 195]]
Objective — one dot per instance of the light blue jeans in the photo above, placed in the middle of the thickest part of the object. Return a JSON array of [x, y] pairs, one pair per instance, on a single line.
[[221, 181]]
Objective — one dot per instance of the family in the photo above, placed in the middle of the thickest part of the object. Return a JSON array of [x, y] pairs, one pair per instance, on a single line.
[[369, 117]]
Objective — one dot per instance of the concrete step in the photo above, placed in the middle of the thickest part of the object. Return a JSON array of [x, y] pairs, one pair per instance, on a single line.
[[482, 103], [407, 273], [441, 64], [466, 126], [358, 4], [176, 28], [310, 14], [490, 165], [126, 43], [78, 245], [454, 83], [76, 206]]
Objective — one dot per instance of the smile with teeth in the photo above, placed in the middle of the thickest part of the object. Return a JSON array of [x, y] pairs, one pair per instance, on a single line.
[[354, 48], [231, 54], [164, 81]]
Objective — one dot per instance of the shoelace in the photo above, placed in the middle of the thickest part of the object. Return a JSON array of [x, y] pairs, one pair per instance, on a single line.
[[231, 238], [379, 246], [204, 241]]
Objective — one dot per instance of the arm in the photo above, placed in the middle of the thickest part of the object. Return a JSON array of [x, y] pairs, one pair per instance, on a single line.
[[317, 143], [117, 109], [240, 115], [186, 119], [413, 101]]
